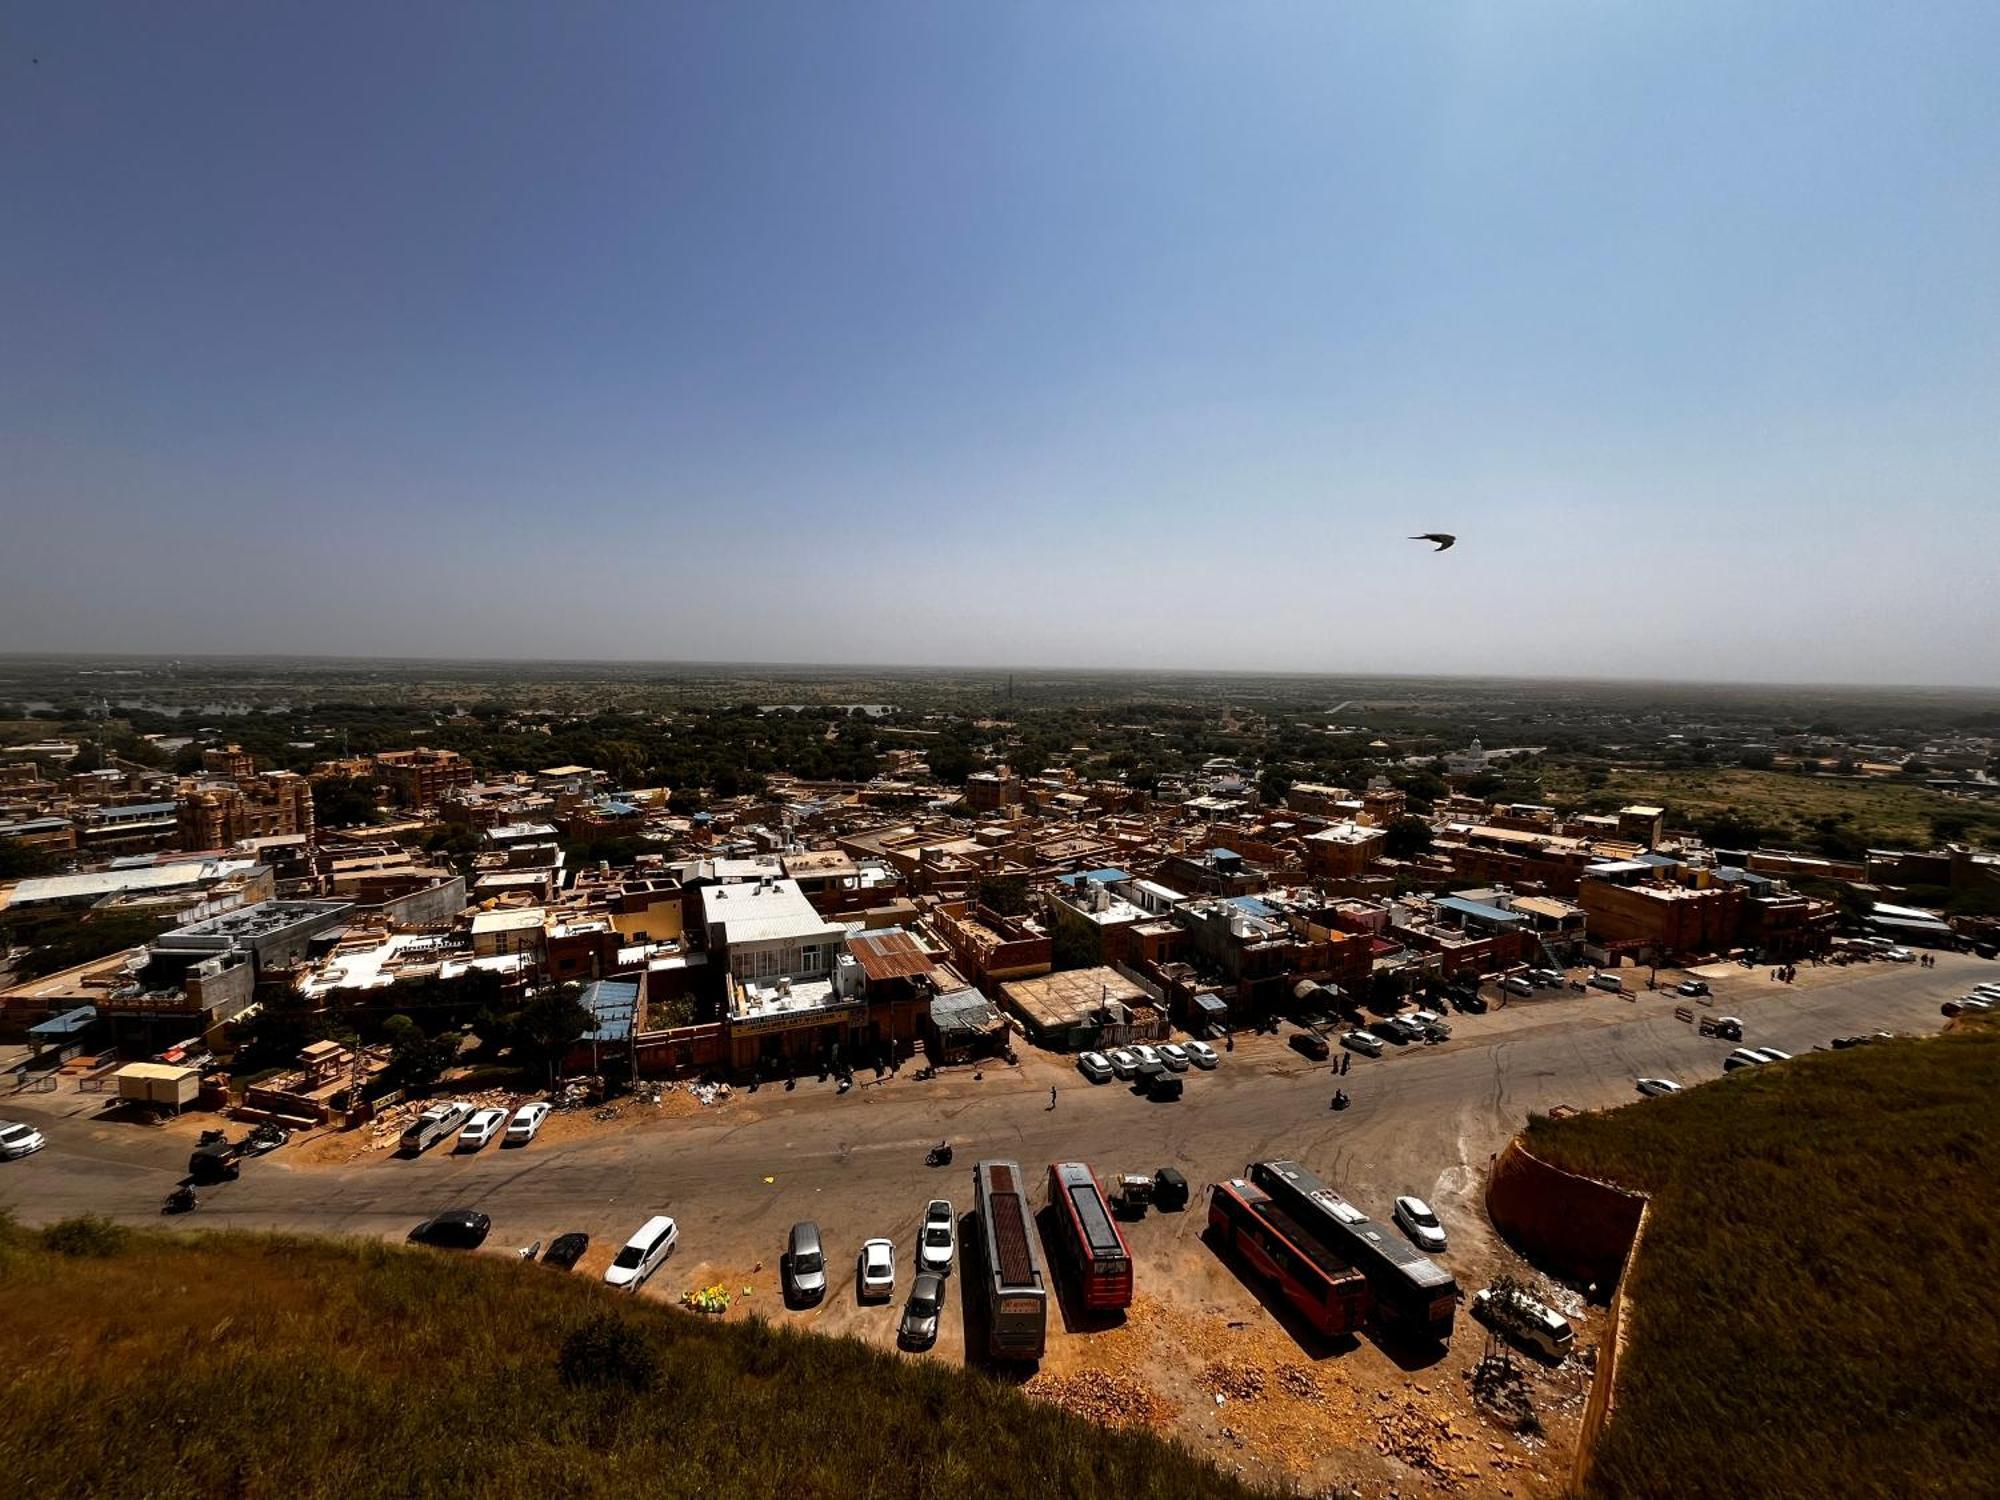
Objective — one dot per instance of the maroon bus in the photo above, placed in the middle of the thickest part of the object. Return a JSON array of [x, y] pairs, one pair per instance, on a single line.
[[1089, 1239], [1328, 1292]]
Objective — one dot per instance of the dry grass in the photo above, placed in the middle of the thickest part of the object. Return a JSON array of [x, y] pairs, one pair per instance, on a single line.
[[200, 1365], [1814, 1306]]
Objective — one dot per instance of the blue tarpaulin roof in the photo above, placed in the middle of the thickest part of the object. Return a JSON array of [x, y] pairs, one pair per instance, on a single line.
[[69, 1023], [1478, 910], [1102, 877], [615, 1004]]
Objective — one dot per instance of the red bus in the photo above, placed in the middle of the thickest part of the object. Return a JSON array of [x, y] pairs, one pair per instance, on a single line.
[[1326, 1290], [1016, 1289], [1090, 1239]]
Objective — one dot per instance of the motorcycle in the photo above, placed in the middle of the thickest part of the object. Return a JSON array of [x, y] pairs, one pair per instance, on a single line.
[[181, 1200], [939, 1156], [1340, 1100], [266, 1138]]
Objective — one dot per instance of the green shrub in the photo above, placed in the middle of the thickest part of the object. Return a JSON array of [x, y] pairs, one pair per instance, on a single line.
[[605, 1350], [86, 1235]]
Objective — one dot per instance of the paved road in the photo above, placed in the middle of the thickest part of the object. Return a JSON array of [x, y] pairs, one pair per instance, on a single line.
[[1424, 1120]]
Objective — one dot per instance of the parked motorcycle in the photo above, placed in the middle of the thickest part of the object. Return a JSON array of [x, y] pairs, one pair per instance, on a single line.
[[1340, 1100], [939, 1156], [181, 1200]]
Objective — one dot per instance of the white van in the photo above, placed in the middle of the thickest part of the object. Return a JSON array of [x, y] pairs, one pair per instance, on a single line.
[[433, 1125], [1609, 982], [643, 1254]]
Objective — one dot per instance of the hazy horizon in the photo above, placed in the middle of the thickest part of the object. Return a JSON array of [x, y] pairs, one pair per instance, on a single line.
[[1111, 338]]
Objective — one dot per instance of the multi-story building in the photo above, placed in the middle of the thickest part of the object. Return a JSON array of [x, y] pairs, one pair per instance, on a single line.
[[421, 777], [215, 815], [228, 762], [1342, 850]]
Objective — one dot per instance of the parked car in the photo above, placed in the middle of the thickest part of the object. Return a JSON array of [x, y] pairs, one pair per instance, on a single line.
[[1743, 1057], [938, 1242], [1430, 1022], [1364, 1042], [481, 1128], [1514, 984], [1609, 982], [1692, 988], [565, 1250], [454, 1229], [1170, 1189], [1147, 1056], [1398, 1029], [1201, 1055], [1842, 1043], [1771, 1054], [17, 1140], [1470, 1001], [527, 1122], [923, 1312], [1312, 1044], [1650, 1086], [804, 1263], [215, 1160], [643, 1254], [1728, 1028], [875, 1270], [1525, 1320], [1174, 1056], [1900, 956], [1420, 1224], [1123, 1062], [1164, 1087], [1095, 1066], [1546, 978], [433, 1125]]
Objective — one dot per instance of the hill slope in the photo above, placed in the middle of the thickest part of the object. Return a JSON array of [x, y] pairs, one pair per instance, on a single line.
[[1814, 1303], [201, 1364]]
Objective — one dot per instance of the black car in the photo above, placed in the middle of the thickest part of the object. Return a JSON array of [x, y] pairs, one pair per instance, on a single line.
[[1164, 1086], [1170, 1190], [455, 1229], [565, 1250], [1312, 1044]]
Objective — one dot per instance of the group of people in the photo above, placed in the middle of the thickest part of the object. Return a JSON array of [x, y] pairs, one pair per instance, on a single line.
[[1786, 974], [1927, 960]]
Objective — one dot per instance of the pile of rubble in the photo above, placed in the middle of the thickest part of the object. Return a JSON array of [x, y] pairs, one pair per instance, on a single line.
[[1101, 1397], [1418, 1438], [1238, 1382], [1301, 1383]]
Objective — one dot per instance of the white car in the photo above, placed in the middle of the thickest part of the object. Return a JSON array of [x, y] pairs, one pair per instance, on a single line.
[[1527, 1321], [1772, 1054], [1174, 1056], [526, 1122], [875, 1269], [1095, 1066], [481, 1128], [937, 1244], [1123, 1063], [1365, 1042], [1420, 1224], [1146, 1055], [643, 1254], [18, 1140], [1650, 1086], [1201, 1055], [1900, 956], [1743, 1057]]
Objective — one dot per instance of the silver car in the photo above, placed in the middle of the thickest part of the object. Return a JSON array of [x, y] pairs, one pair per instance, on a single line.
[[18, 1140], [1095, 1066], [1420, 1224]]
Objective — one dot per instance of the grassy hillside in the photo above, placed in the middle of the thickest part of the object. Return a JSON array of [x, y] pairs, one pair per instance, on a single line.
[[1815, 1301], [1882, 814], [199, 1365]]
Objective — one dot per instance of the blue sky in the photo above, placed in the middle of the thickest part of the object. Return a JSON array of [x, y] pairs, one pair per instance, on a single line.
[[1008, 334]]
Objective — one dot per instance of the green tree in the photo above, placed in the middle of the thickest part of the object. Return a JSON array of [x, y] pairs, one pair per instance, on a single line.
[[1406, 836], [346, 802], [542, 1031], [18, 861], [416, 1062]]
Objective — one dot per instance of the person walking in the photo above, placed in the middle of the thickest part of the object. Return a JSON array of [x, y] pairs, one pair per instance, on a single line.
[[1052, 1096]]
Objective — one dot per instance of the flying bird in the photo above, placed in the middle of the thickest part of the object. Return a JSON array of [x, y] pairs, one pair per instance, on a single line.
[[1443, 539]]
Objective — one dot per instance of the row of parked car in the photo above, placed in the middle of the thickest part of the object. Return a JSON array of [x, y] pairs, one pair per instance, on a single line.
[[1140, 1060], [1369, 1041], [1983, 998], [475, 1127], [803, 1270]]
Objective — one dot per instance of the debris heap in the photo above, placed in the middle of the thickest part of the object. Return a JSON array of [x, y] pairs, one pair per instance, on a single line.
[[1101, 1397]]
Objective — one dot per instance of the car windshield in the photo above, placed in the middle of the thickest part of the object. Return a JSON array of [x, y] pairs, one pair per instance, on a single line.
[[937, 1234], [13, 1132], [629, 1257], [808, 1262], [923, 1306]]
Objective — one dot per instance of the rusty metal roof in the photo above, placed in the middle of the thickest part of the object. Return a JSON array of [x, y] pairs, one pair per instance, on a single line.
[[889, 954]]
